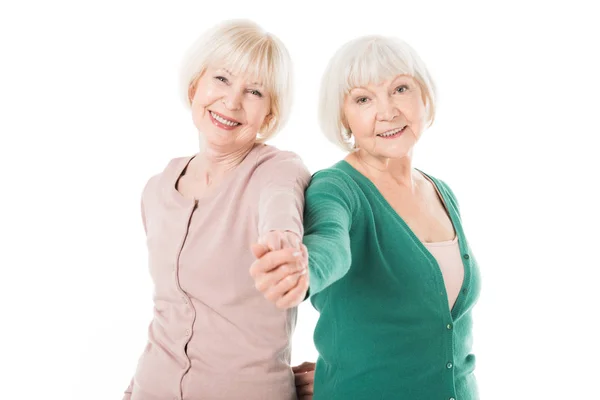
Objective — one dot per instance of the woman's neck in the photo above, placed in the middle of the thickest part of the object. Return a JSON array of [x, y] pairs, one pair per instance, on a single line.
[[383, 169], [209, 166]]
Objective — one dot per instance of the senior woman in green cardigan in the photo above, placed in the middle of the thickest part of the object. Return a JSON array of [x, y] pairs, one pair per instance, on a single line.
[[390, 269]]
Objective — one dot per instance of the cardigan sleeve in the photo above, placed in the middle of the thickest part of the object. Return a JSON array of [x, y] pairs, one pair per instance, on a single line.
[[327, 222], [281, 199]]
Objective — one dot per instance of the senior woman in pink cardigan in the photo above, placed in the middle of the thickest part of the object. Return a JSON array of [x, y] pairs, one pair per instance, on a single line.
[[213, 335]]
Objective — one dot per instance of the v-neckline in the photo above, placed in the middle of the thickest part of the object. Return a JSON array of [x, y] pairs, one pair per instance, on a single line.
[[453, 219]]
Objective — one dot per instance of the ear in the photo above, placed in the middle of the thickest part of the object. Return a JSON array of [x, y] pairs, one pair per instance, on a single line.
[[267, 121], [192, 90], [346, 126]]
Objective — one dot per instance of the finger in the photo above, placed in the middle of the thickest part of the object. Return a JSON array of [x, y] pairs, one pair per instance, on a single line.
[[270, 279], [259, 250], [293, 239], [274, 240], [274, 259], [304, 367], [287, 242], [305, 378], [295, 296], [304, 256], [304, 390], [278, 290], [294, 242]]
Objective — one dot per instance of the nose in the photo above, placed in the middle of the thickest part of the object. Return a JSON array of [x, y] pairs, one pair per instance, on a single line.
[[232, 100], [387, 110]]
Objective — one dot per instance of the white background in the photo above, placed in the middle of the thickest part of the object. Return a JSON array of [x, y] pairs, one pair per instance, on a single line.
[[90, 110]]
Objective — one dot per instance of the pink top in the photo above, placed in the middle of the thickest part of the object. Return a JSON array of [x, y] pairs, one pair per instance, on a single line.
[[448, 257], [213, 335]]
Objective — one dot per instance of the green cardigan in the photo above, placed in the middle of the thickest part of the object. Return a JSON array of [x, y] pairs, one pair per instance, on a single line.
[[385, 329]]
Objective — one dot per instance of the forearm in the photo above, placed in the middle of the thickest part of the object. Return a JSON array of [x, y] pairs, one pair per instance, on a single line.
[[329, 259], [281, 210]]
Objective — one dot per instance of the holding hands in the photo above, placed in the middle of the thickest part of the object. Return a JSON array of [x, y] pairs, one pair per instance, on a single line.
[[280, 271]]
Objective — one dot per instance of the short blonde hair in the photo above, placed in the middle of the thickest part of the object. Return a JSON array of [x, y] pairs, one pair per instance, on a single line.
[[363, 61], [243, 47]]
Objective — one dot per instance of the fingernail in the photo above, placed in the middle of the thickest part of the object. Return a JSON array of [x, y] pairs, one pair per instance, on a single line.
[[297, 253]]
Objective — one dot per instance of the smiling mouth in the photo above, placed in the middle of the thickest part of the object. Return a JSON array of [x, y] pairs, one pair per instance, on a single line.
[[225, 121], [392, 133]]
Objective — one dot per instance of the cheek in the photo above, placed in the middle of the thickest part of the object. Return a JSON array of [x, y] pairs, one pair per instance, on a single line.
[[416, 114], [361, 122], [206, 93], [204, 97], [198, 109], [256, 112]]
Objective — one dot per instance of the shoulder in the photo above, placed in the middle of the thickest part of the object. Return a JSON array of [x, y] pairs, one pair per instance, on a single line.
[[166, 176], [337, 177], [273, 163], [270, 156], [334, 182]]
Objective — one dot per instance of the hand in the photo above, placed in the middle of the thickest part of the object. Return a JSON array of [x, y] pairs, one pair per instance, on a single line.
[[280, 275], [277, 240], [304, 375]]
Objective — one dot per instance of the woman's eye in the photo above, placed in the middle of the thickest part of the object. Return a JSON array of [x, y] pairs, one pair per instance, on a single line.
[[402, 89], [362, 100], [221, 78], [256, 93]]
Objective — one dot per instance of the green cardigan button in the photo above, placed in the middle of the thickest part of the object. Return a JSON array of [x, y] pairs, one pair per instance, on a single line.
[[449, 365], [466, 256]]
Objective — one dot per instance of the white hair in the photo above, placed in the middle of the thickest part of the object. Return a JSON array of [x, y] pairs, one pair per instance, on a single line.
[[360, 62], [245, 48]]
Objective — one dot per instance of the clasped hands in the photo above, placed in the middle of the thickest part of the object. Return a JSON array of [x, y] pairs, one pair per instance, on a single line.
[[280, 271]]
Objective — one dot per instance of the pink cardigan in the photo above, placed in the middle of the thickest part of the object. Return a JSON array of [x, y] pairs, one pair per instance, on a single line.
[[213, 335]]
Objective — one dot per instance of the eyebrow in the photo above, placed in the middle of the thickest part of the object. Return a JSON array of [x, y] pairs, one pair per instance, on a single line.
[[393, 82], [253, 83], [404, 77], [359, 88]]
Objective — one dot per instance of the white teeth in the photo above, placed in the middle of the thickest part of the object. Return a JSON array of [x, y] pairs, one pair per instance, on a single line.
[[391, 133], [223, 120]]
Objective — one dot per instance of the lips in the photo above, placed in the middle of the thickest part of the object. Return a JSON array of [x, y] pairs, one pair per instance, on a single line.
[[223, 122], [392, 133]]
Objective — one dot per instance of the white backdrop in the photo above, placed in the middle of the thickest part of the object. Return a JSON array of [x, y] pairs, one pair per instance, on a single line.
[[90, 110]]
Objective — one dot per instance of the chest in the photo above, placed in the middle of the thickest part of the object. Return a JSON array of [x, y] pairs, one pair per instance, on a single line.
[[205, 246], [425, 213], [194, 188]]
